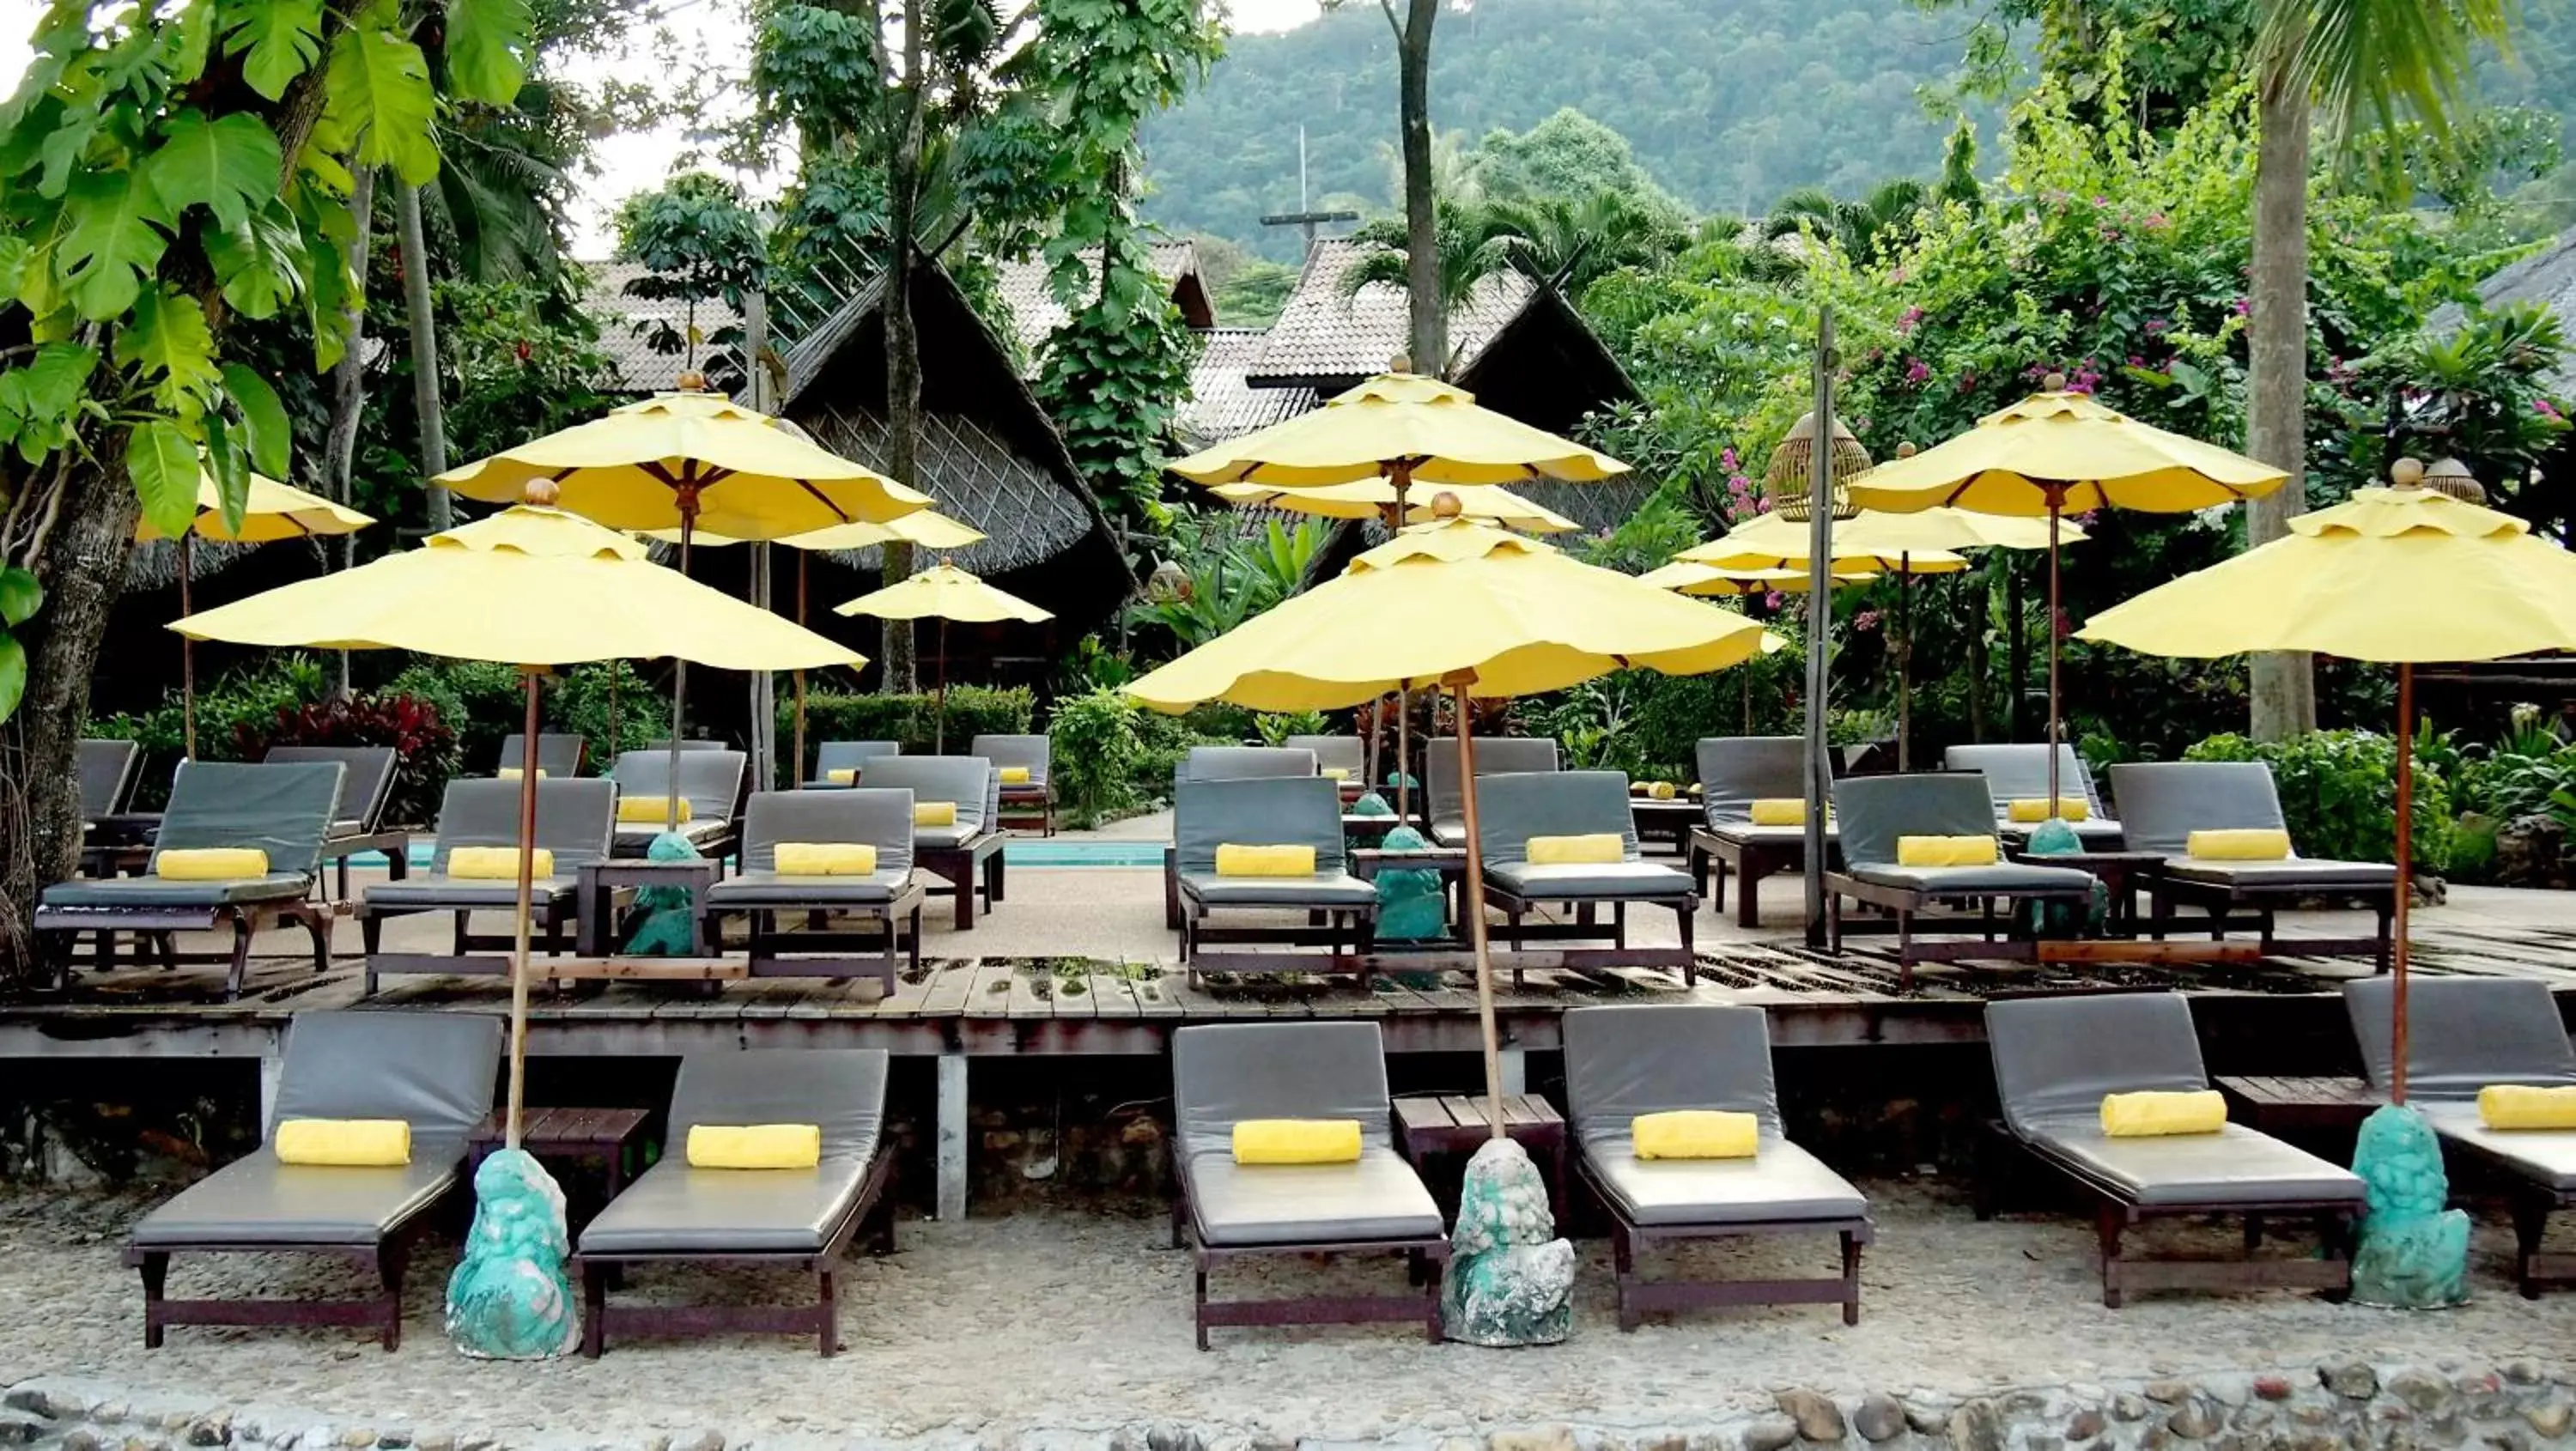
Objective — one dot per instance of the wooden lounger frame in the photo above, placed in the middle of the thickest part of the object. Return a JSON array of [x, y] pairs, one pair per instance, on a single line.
[[481, 954], [385, 1259], [2531, 1203], [1712, 856], [158, 923], [1027, 802], [1348, 936], [970, 866], [2220, 899], [821, 1319], [899, 927], [2115, 1213], [1905, 904], [1586, 927], [1424, 1260], [393, 841], [1639, 1297]]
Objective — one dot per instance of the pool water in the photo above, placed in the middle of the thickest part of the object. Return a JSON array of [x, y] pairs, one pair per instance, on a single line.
[[1030, 852]]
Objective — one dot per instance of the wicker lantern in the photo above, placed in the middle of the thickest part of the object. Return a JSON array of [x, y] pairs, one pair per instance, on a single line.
[[1787, 482], [2452, 477]]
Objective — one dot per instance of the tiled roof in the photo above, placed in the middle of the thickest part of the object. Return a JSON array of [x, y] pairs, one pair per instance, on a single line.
[[1326, 335], [2547, 276], [1035, 313], [1222, 405], [626, 322]]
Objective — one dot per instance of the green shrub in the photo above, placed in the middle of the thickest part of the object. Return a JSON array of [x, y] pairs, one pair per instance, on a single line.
[[248, 697], [481, 700], [578, 701], [2339, 794], [1098, 753], [973, 710]]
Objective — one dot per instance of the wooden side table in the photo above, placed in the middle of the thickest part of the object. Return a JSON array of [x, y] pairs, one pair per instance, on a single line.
[[2122, 873], [611, 1136], [2301, 1107], [595, 890], [1666, 822], [1456, 1123]]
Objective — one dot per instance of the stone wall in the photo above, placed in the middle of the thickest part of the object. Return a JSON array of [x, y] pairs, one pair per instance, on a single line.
[[2518, 1406]]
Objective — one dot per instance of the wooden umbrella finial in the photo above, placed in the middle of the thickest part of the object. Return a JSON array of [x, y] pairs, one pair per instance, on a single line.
[[690, 381], [1445, 505], [540, 492], [2053, 383], [1906, 449]]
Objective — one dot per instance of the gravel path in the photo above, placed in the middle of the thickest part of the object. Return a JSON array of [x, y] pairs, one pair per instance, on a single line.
[[1050, 1324]]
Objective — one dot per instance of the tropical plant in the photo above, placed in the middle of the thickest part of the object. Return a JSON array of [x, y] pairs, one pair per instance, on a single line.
[[1867, 230], [1469, 250], [1227, 577], [1096, 751], [2481, 393], [2338, 792], [424, 744], [698, 243], [1275, 729]]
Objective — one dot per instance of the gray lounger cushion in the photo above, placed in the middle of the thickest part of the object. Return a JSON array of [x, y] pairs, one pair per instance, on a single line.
[[1263, 811], [877, 816], [1346, 753], [2464, 1033], [574, 818], [1515, 807], [1748, 834], [710, 777], [106, 776], [2003, 876], [364, 791], [2163, 802], [968, 781], [1736, 771], [833, 756], [677, 1209], [558, 753], [432, 1070], [1037, 753], [1876, 810], [284, 810], [693, 743], [1622, 1062], [2055, 1059], [1225, 1073], [1495, 756], [1241, 763]]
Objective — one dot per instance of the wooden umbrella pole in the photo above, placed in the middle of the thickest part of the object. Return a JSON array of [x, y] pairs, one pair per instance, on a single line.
[[1399, 473], [679, 669], [1475, 907], [2056, 501], [527, 894], [187, 650], [2405, 878], [939, 726], [799, 775], [1904, 662]]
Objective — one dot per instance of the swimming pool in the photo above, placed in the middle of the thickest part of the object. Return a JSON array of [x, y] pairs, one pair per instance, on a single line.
[[1019, 852]]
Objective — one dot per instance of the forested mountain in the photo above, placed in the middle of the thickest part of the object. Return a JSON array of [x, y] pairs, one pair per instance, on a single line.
[[1728, 103]]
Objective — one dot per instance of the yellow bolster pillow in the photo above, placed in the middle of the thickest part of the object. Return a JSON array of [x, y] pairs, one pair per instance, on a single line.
[[1297, 1141], [1780, 811], [1660, 790], [1945, 851], [1696, 1133], [1265, 861], [2245, 844], [210, 863], [825, 859], [513, 773], [934, 813], [755, 1146], [1013, 775], [2522, 1106], [2035, 808], [842, 775], [649, 810], [1337, 773], [2158, 1115], [371, 1143], [1597, 849], [496, 863]]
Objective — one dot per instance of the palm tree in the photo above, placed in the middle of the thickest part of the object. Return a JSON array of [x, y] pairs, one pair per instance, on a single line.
[[1570, 243], [1865, 230], [2354, 62], [1469, 249]]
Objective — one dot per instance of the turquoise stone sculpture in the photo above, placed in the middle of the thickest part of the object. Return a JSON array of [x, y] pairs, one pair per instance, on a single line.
[[1371, 804], [2055, 837], [1410, 904], [2414, 1251], [510, 1298], [668, 924], [1511, 1280]]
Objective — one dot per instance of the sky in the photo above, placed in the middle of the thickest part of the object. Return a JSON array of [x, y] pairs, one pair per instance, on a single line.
[[631, 162]]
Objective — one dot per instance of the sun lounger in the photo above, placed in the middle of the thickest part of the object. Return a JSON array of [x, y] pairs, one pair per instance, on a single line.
[[712, 781], [2055, 1059], [559, 753], [2020, 773], [1876, 810], [1345, 754], [1442, 803], [693, 743], [284, 810], [833, 756], [366, 794], [880, 817], [1623, 1062], [2463, 1034], [1223, 1074], [1224, 763], [1513, 808], [106, 777], [1022, 801], [967, 855], [575, 818], [434, 1071], [1341, 910], [113, 839], [1735, 772], [799, 1220], [2163, 803]]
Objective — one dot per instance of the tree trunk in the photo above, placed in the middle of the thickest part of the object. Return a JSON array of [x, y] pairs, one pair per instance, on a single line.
[[2276, 395], [1430, 328], [424, 355], [349, 385], [903, 344]]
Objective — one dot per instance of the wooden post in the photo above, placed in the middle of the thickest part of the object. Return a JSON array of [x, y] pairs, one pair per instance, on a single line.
[[2405, 877], [799, 774], [2056, 503], [1475, 904], [1820, 608], [187, 649], [527, 893]]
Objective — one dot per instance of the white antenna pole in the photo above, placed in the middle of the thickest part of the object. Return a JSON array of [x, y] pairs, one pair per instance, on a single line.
[[1302, 204]]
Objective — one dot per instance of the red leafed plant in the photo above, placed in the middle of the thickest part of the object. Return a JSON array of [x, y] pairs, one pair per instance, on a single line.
[[424, 745]]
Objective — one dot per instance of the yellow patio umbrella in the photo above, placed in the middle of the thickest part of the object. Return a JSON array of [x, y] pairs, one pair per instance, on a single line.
[[2059, 452], [1480, 611], [271, 511], [1375, 498], [2398, 575], [943, 592], [682, 459]]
